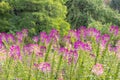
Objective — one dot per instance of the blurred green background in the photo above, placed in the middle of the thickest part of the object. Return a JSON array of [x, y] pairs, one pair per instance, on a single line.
[[63, 15]]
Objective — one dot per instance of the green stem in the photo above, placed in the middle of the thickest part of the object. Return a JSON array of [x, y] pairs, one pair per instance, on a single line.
[[29, 76], [59, 65], [53, 61], [106, 48], [47, 54], [97, 53], [117, 71], [8, 68]]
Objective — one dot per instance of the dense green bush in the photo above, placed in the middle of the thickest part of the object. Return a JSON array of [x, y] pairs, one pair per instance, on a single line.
[[4, 15], [104, 28], [80, 13], [38, 15], [115, 4]]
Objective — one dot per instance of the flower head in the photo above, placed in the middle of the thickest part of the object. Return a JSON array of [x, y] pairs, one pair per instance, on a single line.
[[54, 35], [15, 52], [3, 37], [25, 32], [44, 37], [98, 69], [83, 46], [35, 39], [10, 38], [92, 32], [114, 30], [19, 36], [44, 67], [104, 40]]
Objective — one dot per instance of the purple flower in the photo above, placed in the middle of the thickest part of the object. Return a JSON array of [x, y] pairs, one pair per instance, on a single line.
[[54, 35], [19, 36], [92, 32], [63, 51], [34, 48], [66, 39], [72, 33], [77, 45], [83, 46], [41, 51], [117, 51], [43, 66], [43, 37], [15, 52], [26, 49], [10, 38], [35, 39], [112, 49], [81, 33], [25, 32], [72, 56], [114, 30], [104, 39], [3, 37], [69, 55], [98, 69]]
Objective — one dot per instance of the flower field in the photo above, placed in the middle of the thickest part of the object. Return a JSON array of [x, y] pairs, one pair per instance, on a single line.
[[82, 54]]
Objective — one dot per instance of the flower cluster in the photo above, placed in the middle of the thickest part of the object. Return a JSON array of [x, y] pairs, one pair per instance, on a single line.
[[77, 53]]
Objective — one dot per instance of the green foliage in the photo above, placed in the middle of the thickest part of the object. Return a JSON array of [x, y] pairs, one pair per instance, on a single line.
[[80, 13], [115, 4], [38, 15], [104, 28], [4, 15]]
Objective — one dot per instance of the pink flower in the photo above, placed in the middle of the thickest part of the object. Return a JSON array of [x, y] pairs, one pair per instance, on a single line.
[[3, 37], [44, 67], [92, 32], [44, 38], [72, 56], [83, 46], [60, 78], [26, 49], [81, 33], [34, 48], [15, 52], [3, 52], [10, 38], [72, 34], [114, 30], [54, 35], [98, 69], [69, 55], [104, 40], [25, 32], [19, 36], [66, 39], [35, 39], [42, 51]]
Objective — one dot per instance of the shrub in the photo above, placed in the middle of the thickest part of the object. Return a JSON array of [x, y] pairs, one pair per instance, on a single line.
[[4, 16], [80, 13], [39, 15], [115, 4]]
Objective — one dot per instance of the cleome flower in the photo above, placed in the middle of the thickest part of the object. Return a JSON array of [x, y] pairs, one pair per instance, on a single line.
[[98, 69], [114, 30], [35, 39], [82, 45], [43, 66], [3, 52], [14, 52]]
